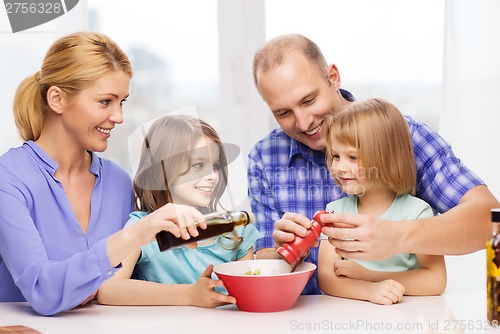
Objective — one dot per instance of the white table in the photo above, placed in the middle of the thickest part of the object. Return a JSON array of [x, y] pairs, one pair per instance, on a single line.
[[450, 313]]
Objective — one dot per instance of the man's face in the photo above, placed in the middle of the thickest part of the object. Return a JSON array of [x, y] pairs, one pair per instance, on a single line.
[[300, 97]]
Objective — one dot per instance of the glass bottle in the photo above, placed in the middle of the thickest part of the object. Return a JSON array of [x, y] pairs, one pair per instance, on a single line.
[[218, 223], [493, 270], [295, 252]]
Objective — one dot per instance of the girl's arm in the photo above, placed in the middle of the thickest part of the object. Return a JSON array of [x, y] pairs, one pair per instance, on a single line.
[[382, 292], [248, 256], [122, 290], [429, 279]]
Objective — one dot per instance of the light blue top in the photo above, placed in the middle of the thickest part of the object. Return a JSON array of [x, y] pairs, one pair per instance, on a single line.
[[45, 258], [405, 207], [184, 265]]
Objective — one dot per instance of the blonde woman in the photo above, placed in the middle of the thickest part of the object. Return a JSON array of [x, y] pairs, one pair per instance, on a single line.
[[62, 207], [370, 155]]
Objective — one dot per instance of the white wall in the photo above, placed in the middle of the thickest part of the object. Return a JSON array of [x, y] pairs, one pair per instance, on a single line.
[[470, 119], [471, 113], [22, 55]]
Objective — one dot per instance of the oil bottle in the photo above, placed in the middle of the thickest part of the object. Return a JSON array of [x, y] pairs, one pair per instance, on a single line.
[[493, 270], [218, 223]]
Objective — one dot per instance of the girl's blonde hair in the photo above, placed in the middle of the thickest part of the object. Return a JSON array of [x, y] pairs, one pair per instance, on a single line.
[[379, 132], [72, 63], [166, 155]]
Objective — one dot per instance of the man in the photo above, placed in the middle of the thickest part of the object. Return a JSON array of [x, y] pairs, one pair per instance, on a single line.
[[289, 181]]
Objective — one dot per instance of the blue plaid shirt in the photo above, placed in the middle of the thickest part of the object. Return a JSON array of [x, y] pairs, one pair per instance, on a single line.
[[287, 176]]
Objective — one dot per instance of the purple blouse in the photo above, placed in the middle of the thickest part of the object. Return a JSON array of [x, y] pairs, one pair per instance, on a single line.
[[45, 257]]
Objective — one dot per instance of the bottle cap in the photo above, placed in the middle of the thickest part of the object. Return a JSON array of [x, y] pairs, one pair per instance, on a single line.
[[251, 216], [495, 215]]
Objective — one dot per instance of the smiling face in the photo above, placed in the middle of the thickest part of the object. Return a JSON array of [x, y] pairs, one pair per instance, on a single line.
[[347, 169], [89, 117], [196, 186], [300, 97]]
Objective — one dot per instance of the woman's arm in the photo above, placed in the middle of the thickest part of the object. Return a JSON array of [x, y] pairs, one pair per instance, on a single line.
[[176, 219]]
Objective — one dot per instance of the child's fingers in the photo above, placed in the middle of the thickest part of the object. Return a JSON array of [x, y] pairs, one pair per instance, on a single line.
[[208, 271]]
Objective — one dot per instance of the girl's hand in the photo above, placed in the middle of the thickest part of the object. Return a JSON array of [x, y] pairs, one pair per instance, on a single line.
[[351, 269], [204, 295], [385, 292]]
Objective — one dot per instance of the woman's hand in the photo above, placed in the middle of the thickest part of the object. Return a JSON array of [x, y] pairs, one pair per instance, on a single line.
[[180, 220]]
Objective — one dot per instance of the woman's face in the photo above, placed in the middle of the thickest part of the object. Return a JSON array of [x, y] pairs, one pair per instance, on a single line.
[[89, 117], [196, 186]]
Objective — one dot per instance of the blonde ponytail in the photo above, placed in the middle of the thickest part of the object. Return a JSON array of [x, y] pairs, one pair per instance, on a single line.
[[29, 114]]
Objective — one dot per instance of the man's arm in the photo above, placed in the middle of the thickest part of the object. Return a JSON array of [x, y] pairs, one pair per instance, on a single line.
[[461, 230]]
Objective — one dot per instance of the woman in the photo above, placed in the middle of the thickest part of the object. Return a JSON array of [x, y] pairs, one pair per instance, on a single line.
[[62, 208]]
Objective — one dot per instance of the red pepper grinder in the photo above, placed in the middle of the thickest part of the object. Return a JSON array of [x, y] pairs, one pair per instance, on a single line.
[[295, 252]]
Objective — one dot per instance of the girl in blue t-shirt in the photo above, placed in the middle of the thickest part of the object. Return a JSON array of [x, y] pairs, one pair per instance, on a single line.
[[370, 155], [183, 161]]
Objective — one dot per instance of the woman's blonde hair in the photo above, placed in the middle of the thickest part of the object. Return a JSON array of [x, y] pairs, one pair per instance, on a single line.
[[166, 155], [72, 63], [379, 132]]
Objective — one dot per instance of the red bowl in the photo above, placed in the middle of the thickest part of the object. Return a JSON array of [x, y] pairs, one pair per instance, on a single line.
[[274, 289]]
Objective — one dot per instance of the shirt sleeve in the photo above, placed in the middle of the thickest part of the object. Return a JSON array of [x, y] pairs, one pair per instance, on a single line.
[[249, 234], [442, 179], [50, 286], [262, 200]]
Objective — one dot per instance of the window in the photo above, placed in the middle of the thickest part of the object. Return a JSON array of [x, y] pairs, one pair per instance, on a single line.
[[174, 52], [384, 48]]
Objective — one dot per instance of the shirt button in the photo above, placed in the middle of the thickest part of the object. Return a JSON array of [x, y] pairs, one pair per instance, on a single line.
[[110, 273]]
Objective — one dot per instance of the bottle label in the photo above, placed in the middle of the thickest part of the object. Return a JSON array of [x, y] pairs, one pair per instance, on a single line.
[[492, 261]]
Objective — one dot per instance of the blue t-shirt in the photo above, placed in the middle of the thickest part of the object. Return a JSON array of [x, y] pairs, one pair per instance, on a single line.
[[184, 265]]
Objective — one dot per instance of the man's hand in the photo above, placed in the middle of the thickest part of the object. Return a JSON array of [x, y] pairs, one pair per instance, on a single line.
[[290, 225], [362, 237]]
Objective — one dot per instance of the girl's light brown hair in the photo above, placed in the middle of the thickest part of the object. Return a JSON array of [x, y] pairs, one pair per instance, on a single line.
[[72, 63], [379, 132], [166, 155]]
